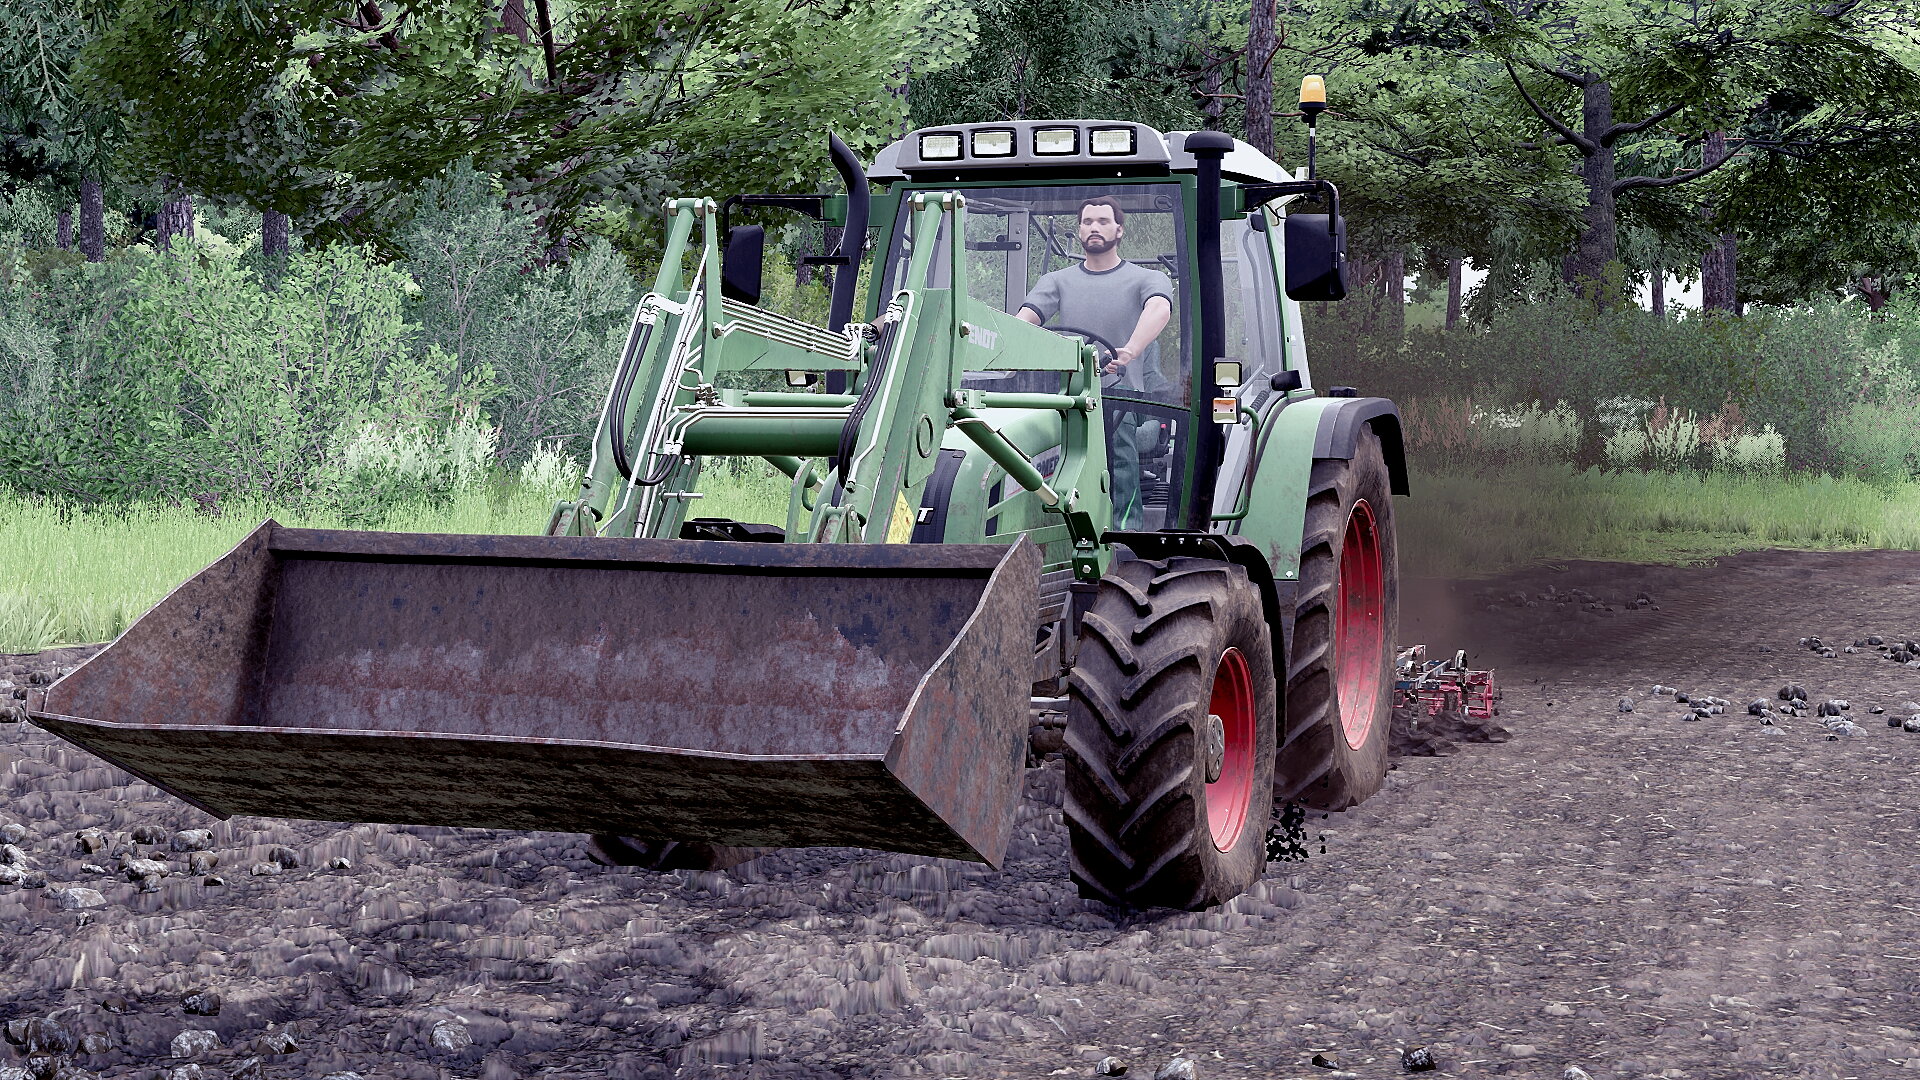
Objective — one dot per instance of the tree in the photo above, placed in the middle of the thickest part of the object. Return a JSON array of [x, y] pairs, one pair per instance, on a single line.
[[50, 136], [298, 107]]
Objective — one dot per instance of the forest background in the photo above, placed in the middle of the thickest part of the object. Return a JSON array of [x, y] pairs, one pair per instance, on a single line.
[[370, 265]]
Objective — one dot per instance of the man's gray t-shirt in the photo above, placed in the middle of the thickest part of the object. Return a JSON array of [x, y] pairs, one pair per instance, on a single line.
[[1107, 302]]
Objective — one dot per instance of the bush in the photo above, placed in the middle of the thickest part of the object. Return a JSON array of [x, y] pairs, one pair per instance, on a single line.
[[383, 468], [1878, 443], [551, 473]]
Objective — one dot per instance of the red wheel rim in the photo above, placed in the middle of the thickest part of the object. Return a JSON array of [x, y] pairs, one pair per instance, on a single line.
[[1230, 797], [1360, 625]]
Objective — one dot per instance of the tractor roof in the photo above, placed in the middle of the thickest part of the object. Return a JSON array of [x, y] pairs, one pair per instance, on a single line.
[[1036, 149]]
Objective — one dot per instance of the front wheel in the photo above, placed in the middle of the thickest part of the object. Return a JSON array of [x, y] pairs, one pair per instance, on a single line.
[[1170, 736], [655, 854], [1346, 616]]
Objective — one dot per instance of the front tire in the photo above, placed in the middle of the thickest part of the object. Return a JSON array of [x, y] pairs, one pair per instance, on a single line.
[[1346, 619], [610, 850], [1166, 807]]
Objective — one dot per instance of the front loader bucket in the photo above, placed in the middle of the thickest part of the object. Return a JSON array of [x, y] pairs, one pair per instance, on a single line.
[[762, 695]]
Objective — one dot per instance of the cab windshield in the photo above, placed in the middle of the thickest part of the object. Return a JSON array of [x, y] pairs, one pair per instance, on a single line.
[[1018, 236]]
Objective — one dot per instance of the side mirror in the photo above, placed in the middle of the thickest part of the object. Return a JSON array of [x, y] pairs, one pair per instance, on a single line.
[[743, 263], [1316, 257]]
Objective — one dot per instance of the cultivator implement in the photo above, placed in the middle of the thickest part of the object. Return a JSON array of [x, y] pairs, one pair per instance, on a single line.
[[1444, 685]]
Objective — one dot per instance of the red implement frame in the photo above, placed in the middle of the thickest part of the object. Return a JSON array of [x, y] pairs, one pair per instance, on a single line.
[[1441, 685]]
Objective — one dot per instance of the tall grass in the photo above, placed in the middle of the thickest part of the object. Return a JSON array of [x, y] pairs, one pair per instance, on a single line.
[[73, 575], [1470, 524]]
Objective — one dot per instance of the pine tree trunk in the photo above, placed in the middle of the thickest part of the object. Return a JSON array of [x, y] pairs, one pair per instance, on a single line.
[[63, 230], [1660, 293], [1454, 267], [1211, 107], [176, 216], [273, 232], [1716, 265], [1261, 43], [1599, 240], [1394, 267], [93, 225], [513, 20]]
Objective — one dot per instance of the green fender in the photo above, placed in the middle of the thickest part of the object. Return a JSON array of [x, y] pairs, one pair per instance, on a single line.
[[1293, 434]]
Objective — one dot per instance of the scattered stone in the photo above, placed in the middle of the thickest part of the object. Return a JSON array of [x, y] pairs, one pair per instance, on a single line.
[[148, 834], [1911, 723], [1626, 705], [1522, 1050], [194, 1041], [92, 868], [1758, 707], [214, 881], [1793, 692], [1681, 696], [202, 1003], [201, 862], [116, 1004], [92, 841], [1325, 1062], [279, 1042], [451, 1036], [12, 832], [1849, 650], [1875, 639], [137, 869], [267, 869], [1877, 710], [94, 1042], [193, 840], [1110, 1066], [189, 1071], [340, 862], [1418, 1059], [1826, 654], [341, 1076], [1658, 690], [78, 897], [1830, 708], [1177, 1069], [283, 856], [1575, 1072]]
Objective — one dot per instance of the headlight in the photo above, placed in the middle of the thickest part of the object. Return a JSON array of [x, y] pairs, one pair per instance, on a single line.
[[997, 143], [1056, 141], [1111, 142], [944, 146]]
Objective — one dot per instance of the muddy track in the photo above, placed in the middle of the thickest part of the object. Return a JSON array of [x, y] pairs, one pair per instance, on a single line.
[[1631, 893]]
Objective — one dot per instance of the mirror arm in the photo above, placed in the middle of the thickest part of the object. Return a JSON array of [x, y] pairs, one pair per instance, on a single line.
[[1253, 195]]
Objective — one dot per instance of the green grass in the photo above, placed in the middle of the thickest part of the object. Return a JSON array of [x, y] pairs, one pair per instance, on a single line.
[[75, 575], [1461, 524]]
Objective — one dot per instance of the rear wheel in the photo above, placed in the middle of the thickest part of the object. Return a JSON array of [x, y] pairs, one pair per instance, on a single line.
[[1346, 615], [610, 850], [1170, 737]]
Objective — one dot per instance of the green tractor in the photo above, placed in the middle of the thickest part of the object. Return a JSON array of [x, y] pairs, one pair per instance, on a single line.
[[1168, 559]]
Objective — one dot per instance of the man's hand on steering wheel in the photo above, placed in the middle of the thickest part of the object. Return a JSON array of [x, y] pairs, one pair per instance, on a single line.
[[1113, 360]]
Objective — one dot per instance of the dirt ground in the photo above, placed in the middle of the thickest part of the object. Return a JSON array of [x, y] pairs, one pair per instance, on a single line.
[[1630, 893]]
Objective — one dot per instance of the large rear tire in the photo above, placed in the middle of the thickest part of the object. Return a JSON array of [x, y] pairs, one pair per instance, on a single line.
[[1339, 700], [1166, 807]]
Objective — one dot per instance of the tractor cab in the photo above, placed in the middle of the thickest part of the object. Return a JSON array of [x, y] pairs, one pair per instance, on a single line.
[[1025, 185]]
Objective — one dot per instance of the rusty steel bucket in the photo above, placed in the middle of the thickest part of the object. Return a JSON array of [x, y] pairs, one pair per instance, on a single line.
[[752, 694]]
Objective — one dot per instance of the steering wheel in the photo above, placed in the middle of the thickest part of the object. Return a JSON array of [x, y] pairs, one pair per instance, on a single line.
[[1103, 348]]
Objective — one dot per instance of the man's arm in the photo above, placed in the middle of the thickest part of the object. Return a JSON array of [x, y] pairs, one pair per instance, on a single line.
[[1153, 319], [1027, 314]]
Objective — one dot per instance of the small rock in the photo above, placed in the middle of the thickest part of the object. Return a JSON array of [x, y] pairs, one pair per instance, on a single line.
[[1681, 696], [202, 1003], [213, 880], [79, 897], [1418, 1059], [116, 1004], [1575, 1072], [193, 840], [341, 1076], [451, 1036], [1757, 707], [136, 869], [94, 1042], [1626, 705], [148, 834], [1658, 690], [189, 1071], [1829, 708], [1911, 723], [1110, 1066], [92, 841], [12, 832], [201, 862], [1522, 1050], [194, 1041], [340, 862], [1826, 654], [92, 868], [12, 856], [1325, 1062], [267, 869], [1875, 639], [284, 856], [1893, 720], [1877, 710], [279, 1042], [1849, 650], [1177, 1069], [246, 1070]]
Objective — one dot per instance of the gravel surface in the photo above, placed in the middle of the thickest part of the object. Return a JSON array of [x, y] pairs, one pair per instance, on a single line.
[[1626, 894]]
